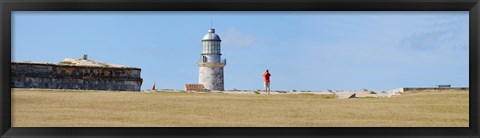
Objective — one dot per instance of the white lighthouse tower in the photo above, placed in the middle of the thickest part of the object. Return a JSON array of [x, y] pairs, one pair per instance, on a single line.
[[211, 65]]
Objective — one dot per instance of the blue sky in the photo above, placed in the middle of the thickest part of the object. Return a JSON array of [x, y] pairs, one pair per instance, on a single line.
[[302, 50]]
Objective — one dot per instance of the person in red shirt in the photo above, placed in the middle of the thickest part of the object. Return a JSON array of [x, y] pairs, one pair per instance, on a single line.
[[266, 77]]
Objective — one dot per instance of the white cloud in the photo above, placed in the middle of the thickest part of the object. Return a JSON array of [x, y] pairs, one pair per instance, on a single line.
[[428, 40], [234, 38], [447, 32]]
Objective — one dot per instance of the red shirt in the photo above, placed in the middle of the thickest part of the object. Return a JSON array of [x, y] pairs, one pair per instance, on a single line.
[[266, 77]]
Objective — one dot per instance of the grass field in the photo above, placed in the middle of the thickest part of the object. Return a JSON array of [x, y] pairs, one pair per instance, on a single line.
[[38, 108]]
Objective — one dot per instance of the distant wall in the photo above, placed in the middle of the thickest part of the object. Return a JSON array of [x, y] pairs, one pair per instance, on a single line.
[[433, 88], [54, 76], [396, 90]]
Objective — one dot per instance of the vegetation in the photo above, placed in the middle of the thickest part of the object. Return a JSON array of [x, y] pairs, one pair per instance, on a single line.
[[75, 108]]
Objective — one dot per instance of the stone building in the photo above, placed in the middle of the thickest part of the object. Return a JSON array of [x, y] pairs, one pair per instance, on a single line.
[[211, 65], [75, 73]]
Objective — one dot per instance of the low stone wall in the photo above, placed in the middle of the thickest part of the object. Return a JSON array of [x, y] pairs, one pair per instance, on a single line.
[[396, 90], [433, 88], [55, 76]]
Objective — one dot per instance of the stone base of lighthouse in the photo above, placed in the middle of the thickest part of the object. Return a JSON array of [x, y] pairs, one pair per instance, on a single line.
[[211, 76]]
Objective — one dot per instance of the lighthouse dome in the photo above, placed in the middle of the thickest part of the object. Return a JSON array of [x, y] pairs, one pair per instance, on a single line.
[[211, 35]]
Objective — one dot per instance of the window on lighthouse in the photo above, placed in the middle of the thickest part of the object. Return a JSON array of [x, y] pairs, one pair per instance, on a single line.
[[208, 48], [216, 47]]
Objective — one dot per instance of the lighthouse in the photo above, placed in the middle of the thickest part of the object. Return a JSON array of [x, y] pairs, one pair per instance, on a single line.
[[211, 65]]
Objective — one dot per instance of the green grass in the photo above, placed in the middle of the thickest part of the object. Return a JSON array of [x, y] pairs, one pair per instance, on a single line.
[[54, 108]]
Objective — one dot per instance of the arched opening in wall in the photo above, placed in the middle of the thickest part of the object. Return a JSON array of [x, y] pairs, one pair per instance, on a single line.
[[204, 59]]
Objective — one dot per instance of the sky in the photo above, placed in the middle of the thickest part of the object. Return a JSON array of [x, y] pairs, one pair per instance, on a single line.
[[303, 50]]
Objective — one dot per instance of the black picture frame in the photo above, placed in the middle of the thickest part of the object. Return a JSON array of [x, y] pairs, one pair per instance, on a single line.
[[7, 6]]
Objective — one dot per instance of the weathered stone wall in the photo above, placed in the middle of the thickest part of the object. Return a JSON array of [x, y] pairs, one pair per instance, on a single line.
[[433, 88], [211, 77], [54, 76]]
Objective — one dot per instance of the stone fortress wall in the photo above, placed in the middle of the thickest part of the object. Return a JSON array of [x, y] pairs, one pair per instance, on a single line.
[[64, 76]]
